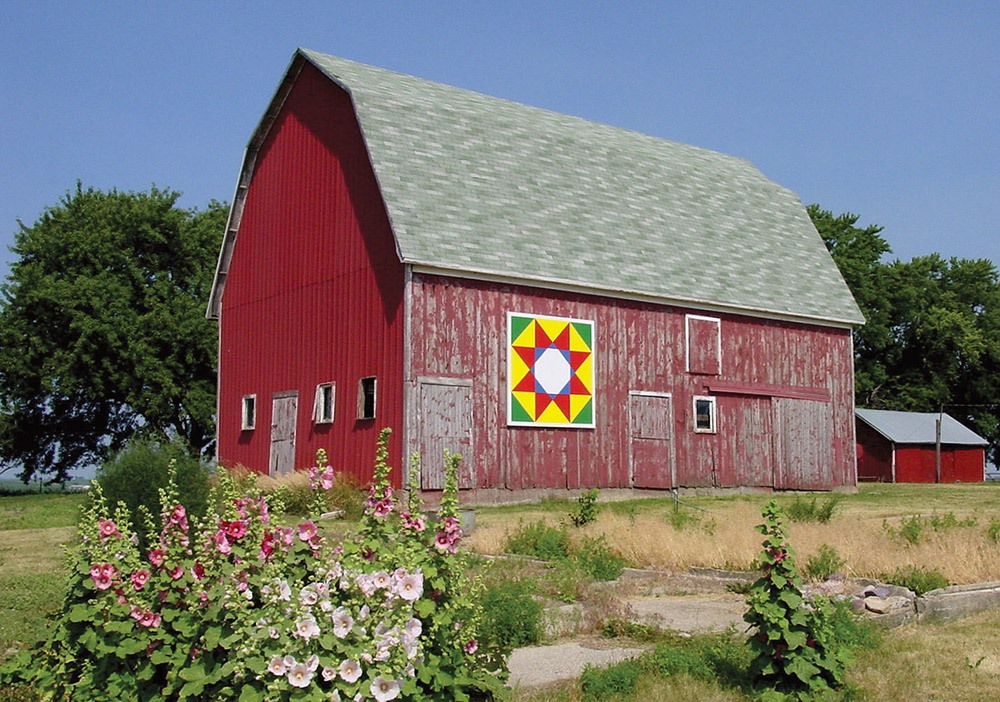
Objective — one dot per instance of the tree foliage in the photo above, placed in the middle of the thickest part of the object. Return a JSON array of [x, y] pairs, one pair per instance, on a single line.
[[102, 329], [932, 336]]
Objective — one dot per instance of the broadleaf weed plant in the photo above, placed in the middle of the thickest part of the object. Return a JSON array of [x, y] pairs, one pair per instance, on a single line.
[[795, 653], [586, 509], [235, 607]]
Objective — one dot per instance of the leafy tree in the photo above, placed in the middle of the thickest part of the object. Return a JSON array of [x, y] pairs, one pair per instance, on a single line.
[[932, 336], [102, 329]]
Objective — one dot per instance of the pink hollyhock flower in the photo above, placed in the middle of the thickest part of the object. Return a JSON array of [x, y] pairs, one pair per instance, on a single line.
[[178, 516], [381, 580], [140, 578], [299, 675], [103, 575], [413, 628], [177, 573], [198, 571], [410, 587], [312, 663], [222, 543], [235, 529], [442, 541], [350, 671], [307, 531], [383, 689], [107, 528], [382, 508], [277, 666], [150, 619], [156, 557], [471, 647], [343, 623], [307, 628], [328, 673], [326, 479]]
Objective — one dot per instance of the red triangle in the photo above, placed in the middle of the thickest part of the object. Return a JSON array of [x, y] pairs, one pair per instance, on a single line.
[[562, 341], [576, 386], [527, 354], [542, 340], [562, 402], [542, 402], [527, 383], [576, 358]]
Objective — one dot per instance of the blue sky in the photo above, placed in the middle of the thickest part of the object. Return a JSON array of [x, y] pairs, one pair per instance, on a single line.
[[890, 110]]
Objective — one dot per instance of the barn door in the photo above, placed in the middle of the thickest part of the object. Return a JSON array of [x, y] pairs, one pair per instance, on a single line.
[[445, 423], [803, 444], [651, 422], [284, 408]]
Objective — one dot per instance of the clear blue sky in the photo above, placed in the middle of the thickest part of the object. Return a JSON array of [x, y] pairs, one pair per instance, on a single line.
[[887, 109]]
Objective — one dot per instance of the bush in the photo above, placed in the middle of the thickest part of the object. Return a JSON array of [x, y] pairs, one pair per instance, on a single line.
[[597, 559], [993, 531], [813, 510], [824, 563], [137, 473], [586, 509], [237, 607], [602, 683], [511, 615], [917, 578], [539, 540]]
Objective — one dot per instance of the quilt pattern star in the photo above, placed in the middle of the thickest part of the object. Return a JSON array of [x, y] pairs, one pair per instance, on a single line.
[[550, 371]]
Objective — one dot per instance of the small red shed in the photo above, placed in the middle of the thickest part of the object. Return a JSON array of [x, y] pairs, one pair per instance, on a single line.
[[901, 447], [566, 304]]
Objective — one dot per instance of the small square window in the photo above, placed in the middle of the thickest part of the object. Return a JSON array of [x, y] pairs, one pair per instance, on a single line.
[[324, 403], [366, 398], [704, 415], [249, 414]]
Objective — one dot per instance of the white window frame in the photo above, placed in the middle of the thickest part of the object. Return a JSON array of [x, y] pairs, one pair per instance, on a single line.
[[248, 413], [362, 415], [687, 339], [320, 415], [712, 428]]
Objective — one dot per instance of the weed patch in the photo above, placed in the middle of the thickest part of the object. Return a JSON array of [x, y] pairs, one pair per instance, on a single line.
[[917, 578], [539, 540], [824, 563], [813, 510]]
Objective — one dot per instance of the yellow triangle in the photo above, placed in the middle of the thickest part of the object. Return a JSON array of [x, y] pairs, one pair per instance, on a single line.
[[527, 400], [585, 373], [577, 403], [526, 337], [518, 369], [552, 327], [553, 415], [576, 342]]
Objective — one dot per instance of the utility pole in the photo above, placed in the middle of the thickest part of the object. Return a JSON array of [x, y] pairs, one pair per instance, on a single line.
[[937, 445]]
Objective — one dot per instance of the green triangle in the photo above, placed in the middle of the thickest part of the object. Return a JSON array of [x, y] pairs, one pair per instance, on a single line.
[[586, 332], [586, 415], [518, 325], [518, 413]]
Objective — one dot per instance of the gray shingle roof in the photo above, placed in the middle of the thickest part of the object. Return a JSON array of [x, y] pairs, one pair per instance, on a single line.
[[918, 427], [481, 185]]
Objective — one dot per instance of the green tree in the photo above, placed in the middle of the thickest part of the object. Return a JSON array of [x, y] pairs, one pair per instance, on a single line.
[[102, 329], [932, 336]]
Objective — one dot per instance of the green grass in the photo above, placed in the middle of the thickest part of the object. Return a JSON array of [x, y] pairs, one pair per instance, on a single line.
[[34, 511]]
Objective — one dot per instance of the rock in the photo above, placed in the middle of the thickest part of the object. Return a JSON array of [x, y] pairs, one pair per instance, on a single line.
[[884, 605]]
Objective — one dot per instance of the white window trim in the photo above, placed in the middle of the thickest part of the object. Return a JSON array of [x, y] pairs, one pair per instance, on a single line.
[[712, 414], [361, 397], [248, 420], [687, 339], [318, 404]]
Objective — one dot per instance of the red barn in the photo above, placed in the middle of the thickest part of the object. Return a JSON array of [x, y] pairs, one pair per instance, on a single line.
[[901, 447], [565, 303]]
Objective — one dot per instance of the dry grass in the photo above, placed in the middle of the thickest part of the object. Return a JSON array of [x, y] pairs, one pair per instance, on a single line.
[[958, 662], [719, 533]]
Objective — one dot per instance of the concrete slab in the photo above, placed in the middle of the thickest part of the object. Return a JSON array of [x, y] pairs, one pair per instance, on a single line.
[[544, 665]]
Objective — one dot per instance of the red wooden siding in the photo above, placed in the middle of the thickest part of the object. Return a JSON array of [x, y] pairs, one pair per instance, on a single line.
[[874, 455], [959, 464], [786, 380], [314, 292]]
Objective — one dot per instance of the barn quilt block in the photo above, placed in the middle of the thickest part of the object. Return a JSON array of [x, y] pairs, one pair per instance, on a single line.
[[550, 371]]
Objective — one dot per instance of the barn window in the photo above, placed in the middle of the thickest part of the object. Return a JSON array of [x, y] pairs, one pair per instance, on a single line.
[[366, 398], [704, 415], [249, 414], [323, 404], [704, 345]]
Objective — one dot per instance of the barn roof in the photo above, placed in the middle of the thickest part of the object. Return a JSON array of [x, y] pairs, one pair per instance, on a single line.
[[483, 187], [918, 427]]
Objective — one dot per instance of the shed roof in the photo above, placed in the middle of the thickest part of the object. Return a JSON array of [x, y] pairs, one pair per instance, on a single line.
[[919, 427], [476, 185]]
